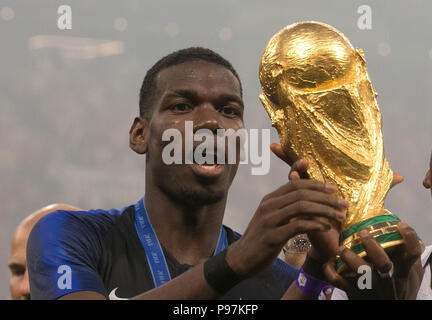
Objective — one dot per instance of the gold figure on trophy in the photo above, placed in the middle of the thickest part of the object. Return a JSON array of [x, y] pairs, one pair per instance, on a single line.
[[318, 94]]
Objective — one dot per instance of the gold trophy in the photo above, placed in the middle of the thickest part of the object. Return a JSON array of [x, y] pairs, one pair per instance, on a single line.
[[318, 94]]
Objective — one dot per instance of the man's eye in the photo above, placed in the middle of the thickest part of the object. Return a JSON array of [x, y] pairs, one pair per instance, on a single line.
[[180, 107], [17, 271], [230, 111]]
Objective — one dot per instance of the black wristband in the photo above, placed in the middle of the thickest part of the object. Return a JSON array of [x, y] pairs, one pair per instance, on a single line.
[[219, 274], [314, 268]]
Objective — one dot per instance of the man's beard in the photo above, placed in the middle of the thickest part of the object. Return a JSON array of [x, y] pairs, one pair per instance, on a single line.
[[193, 198]]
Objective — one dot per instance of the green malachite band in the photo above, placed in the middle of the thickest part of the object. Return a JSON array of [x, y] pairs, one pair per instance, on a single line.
[[366, 223], [380, 239]]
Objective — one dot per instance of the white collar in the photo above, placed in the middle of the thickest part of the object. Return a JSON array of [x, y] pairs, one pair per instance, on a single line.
[[425, 255]]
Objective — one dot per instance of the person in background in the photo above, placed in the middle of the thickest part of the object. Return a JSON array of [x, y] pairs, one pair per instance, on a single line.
[[19, 281], [425, 292]]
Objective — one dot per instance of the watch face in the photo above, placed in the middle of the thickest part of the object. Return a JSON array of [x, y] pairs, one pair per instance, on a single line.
[[298, 244]]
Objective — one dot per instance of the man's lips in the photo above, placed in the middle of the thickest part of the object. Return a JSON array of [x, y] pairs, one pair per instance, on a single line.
[[219, 156], [207, 170]]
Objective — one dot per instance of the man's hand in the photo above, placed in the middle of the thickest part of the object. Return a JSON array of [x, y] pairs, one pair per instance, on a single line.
[[294, 208], [324, 243], [406, 269]]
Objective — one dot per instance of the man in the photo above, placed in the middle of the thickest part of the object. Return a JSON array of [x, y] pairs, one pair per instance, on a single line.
[[171, 244], [425, 292], [19, 281], [89, 254]]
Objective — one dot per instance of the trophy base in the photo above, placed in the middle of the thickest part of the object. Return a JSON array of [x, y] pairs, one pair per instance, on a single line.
[[383, 228]]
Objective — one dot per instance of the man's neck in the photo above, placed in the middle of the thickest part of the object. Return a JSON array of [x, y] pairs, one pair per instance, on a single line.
[[189, 233]]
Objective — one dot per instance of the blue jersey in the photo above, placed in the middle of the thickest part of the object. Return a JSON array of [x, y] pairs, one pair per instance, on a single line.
[[99, 250]]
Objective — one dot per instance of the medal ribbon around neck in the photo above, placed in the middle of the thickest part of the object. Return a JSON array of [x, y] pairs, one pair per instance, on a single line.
[[154, 253]]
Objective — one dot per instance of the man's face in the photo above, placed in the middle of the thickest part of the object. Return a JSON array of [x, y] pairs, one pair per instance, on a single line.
[[19, 281], [208, 95], [427, 181]]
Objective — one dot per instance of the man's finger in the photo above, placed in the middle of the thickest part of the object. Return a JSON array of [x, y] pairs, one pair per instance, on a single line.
[[301, 165], [397, 178], [277, 149], [412, 250], [307, 210], [353, 261], [287, 231], [334, 278], [378, 257], [302, 184], [293, 175], [307, 195], [300, 168]]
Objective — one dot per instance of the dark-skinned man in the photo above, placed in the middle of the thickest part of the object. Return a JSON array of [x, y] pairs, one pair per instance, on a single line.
[[171, 243]]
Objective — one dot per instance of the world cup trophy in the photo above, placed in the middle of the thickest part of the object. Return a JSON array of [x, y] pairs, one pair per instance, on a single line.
[[317, 92]]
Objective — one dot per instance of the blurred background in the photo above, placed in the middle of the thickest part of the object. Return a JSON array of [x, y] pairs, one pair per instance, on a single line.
[[68, 97]]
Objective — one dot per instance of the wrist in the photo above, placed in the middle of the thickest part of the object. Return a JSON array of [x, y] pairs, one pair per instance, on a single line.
[[219, 275], [234, 260], [313, 267], [311, 286], [315, 254]]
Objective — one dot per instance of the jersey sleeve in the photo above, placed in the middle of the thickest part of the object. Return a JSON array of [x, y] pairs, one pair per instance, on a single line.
[[284, 272], [63, 251]]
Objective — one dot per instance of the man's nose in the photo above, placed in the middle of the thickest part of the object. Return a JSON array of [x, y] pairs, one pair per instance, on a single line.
[[427, 180], [25, 287], [207, 117]]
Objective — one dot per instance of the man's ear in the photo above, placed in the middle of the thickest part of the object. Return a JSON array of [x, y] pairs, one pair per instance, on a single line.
[[138, 135]]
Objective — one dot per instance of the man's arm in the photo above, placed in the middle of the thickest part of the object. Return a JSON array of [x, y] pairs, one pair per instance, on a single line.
[[62, 254], [291, 209]]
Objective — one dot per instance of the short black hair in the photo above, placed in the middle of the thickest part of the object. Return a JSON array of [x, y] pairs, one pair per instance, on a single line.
[[148, 87]]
